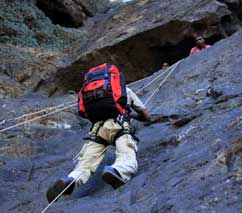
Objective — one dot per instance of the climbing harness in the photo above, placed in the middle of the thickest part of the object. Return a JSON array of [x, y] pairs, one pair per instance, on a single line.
[[63, 107], [120, 119]]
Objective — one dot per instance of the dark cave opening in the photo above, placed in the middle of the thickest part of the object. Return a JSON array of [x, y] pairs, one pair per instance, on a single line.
[[171, 53], [57, 14], [143, 54], [135, 57]]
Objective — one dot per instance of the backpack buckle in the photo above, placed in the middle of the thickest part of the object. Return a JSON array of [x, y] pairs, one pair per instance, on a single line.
[[120, 119]]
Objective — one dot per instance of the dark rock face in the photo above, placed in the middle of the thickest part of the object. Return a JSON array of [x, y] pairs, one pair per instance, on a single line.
[[144, 34], [71, 13], [24, 70], [190, 162], [137, 37], [67, 13]]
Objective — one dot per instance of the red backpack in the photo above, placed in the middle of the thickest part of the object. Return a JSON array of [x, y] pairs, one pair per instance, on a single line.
[[103, 94]]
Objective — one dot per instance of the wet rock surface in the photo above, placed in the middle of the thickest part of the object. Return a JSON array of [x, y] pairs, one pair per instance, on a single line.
[[188, 162]]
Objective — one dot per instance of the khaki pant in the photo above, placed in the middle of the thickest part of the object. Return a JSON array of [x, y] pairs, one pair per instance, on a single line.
[[92, 153]]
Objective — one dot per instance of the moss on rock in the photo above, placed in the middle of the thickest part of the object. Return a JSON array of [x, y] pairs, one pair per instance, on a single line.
[[23, 24]]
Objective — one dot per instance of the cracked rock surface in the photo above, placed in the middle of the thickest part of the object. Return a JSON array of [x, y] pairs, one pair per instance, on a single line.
[[189, 162]]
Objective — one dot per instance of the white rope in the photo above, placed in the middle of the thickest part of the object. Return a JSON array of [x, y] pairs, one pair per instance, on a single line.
[[74, 159], [33, 119], [58, 110], [50, 204], [157, 77], [51, 108], [135, 82], [164, 80], [43, 110], [61, 105]]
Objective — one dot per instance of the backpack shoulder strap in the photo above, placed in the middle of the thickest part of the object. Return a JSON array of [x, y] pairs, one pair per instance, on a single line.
[[106, 77]]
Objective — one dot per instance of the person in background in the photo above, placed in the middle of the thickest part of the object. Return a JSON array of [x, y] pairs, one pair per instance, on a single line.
[[164, 66], [200, 45]]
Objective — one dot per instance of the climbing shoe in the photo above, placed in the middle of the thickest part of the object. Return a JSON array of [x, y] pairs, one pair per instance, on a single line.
[[58, 187], [112, 177]]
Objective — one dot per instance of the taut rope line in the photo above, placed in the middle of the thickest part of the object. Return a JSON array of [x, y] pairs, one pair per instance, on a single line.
[[172, 68], [164, 80], [34, 119], [43, 110], [51, 203], [157, 77], [170, 71]]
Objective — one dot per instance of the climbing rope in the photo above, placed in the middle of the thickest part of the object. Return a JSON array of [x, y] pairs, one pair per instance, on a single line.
[[36, 118], [51, 203], [6, 119], [169, 71], [63, 107], [61, 193], [72, 104], [149, 98], [153, 80], [38, 112], [174, 66]]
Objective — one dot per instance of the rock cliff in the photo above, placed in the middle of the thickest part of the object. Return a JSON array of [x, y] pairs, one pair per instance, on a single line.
[[138, 37], [190, 161]]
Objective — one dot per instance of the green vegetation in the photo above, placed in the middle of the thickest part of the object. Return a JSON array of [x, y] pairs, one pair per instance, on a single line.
[[23, 24]]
